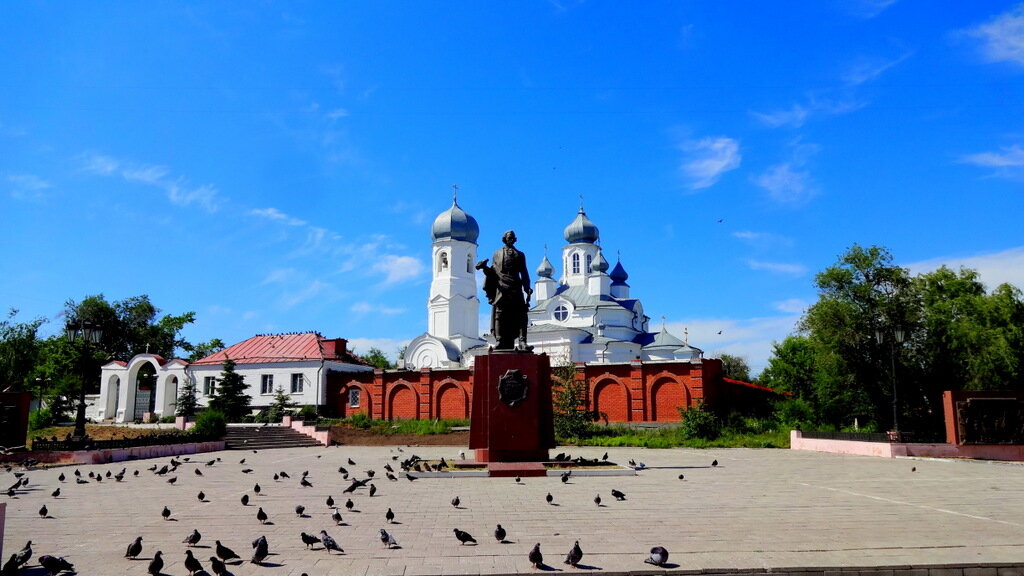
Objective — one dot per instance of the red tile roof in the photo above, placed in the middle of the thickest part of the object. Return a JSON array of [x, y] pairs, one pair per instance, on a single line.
[[267, 348]]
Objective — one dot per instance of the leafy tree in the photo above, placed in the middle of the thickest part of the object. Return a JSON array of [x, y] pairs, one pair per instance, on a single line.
[[187, 404], [230, 396], [735, 367], [19, 351], [281, 406], [699, 422], [376, 357], [203, 349], [571, 415], [131, 326]]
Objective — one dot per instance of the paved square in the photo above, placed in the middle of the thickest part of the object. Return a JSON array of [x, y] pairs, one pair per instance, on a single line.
[[759, 509]]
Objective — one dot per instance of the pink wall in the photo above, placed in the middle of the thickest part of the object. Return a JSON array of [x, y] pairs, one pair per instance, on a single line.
[[896, 450]]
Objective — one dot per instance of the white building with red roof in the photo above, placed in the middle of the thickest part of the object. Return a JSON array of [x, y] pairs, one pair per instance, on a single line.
[[300, 364]]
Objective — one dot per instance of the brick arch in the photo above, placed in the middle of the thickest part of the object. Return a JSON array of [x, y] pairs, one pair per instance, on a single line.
[[343, 410], [666, 396], [402, 403], [451, 401], [612, 398]]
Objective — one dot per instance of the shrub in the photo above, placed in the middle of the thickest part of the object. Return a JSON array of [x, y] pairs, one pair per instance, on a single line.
[[360, 420], [167, 419], [794, 413], [41, 418], [211, 424], [307, 414], [699, 423]]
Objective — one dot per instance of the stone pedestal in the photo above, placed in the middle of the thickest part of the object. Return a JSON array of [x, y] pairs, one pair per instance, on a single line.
[[508, 424]]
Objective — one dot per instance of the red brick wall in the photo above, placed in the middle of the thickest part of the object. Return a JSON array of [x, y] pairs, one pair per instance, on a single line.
[[402, 403], [667, 396], [611, 399], [452, 401]]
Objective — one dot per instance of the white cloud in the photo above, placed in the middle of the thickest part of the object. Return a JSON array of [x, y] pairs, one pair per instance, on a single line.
[[1002, 39], [275, 214], [793, 117], [786, 185], [364, 308], [99, 164], [1008, 163], [27, 186], [314, 289], [1006, 267], [708, 158], [337, 113], [869, 70], [177, 189], [778, 267], [763, 239], [279, 276], [791, 306], [868, 8], [398, 268], [749, 338]]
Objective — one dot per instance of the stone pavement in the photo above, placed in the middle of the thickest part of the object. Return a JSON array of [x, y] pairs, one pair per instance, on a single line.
[[759, 510]]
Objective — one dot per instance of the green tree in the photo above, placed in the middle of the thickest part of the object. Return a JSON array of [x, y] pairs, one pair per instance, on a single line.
[[572, 417], [735, 367], [281, 406], [230, 396], [131, 326], [203, 349], [375, 357], [19, 352], [187, 404]]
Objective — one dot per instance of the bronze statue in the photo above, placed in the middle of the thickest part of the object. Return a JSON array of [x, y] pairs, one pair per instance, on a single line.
[[505, 282]]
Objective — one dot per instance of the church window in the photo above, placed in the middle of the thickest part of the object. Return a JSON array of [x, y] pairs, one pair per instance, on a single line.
[[576, 263], [353, 397], [442, 262], [589, 260], [469, 264], [561, 313]]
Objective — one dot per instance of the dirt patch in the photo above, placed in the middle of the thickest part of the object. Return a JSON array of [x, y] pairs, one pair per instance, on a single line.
[[104, 432], [359, 437]]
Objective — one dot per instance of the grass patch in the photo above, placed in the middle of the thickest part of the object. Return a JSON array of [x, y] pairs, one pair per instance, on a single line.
[[389, 427], [674, 437]]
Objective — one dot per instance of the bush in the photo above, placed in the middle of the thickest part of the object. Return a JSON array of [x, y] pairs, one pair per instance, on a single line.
[[167, 419], [211, 424], [361, 420], [307, 414], [42, 418], [699, 423]]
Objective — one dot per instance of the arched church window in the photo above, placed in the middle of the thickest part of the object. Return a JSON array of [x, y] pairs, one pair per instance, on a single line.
[[561, 313], [590, 259], [576, 263], [442, 262], [469, 264]]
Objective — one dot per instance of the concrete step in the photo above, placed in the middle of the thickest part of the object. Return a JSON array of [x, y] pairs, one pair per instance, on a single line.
[[265, 437]]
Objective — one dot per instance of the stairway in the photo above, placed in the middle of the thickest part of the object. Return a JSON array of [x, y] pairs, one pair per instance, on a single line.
[[259, 437]]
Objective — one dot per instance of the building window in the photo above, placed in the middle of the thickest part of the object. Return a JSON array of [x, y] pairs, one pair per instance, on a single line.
[[353, 397], [469, 264], [442, 262], [576, 263], [296, 383], [209, 385], [561, 313], [267, 384], [590, 259]]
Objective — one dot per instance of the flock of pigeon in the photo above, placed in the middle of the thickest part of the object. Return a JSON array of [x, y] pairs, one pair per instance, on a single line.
[[411, 469]]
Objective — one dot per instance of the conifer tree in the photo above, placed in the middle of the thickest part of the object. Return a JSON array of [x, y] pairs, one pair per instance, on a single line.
[[230, 395]]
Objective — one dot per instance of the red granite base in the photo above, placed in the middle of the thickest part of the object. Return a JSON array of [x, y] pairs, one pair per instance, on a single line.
[[510, 469]]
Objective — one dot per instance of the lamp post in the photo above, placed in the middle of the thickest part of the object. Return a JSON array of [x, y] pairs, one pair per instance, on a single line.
[[89, 334], [897, 338]]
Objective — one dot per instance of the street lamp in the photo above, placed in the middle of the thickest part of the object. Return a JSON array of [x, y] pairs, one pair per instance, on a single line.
[[89, 334], [897, 338]]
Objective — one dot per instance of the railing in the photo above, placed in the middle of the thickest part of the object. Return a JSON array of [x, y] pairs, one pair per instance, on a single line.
[[90, 444]]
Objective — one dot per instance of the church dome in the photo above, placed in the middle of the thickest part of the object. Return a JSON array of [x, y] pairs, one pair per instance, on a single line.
[[618, 274], [581, 230], [599, 265], [545, 270], [456, 224]]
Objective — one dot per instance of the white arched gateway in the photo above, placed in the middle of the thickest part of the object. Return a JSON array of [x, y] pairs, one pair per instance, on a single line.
[[145, 386]]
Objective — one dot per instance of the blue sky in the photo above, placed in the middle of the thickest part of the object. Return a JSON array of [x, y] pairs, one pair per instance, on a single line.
[[275, 167]]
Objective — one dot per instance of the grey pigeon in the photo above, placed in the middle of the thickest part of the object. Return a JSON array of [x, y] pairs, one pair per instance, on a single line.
[[55, 565], [499, 533], [658, 556], [336, 516], [387, 539], [373, 490], [305, 483], [597, 500], [10, 567], [536, 558], [225, 553], [464, 537], [260, 550], [300, 510], [349, 504], [56, 493], [389, 516], [575, 555], [245, 499], [21, 557], [330, 502], [193, 538], [549, 498], [191, 563], [44, 512], [134, 549], [308, 539], [618, 495], [156, 564], [218, 566], [329, 543], [261, 516], [456, 502], [166, 513], [201, 496]]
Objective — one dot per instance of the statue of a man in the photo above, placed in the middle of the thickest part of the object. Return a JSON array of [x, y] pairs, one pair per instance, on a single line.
[[505, 282]]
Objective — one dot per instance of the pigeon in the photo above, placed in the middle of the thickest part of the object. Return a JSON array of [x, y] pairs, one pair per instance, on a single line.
[[499, 533], [410, 477], [387, 539], [714, 463], [342, 470], [21, 557], [373, 490], [217, 566], [201, 496], [77, 481], [156, 564], [536, 558], [10, 567], [198, 472], [300, 510], [109, 474], [391, 476], [225, 553], [550, 499], [351, 462], [260, 550], [193, 538], [191, 564], [79, 472], [681, 477], [330, 502], [276, 477], [464, 537], [284, 474], [55, 565], [246, 470], [658, 556], [245, 499], [170, 480], [618, 495], [456, 502], [61, 477], [349, 504], [56, 493], [336, 516], [370, 473], [389, 468], [597, 500], [308, 539], [134, 549], [166, 513], [329, 543], [135, 472], [43, 512], [256, 489], [605, 457], [389, 516], [575, 555], [305, 483], [242, 461], [261, 516], [518, 480]]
